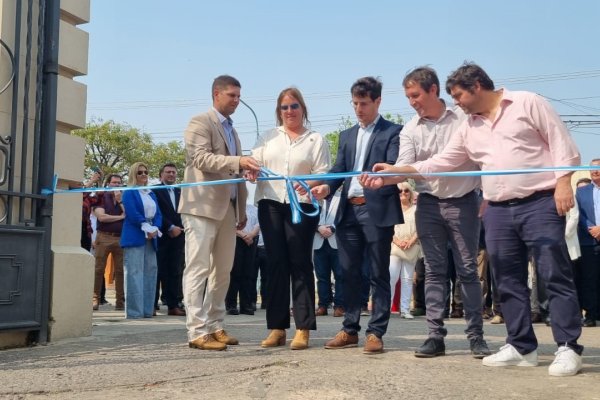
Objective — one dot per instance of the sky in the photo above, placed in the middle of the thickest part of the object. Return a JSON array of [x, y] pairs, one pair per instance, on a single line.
[[152, 63]]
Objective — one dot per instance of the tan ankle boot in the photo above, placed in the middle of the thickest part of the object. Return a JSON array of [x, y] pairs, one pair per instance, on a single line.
[[275, 338], [300, 341]]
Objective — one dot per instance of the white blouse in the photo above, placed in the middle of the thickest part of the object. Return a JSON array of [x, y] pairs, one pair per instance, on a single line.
[[307, 154], [149, 212]]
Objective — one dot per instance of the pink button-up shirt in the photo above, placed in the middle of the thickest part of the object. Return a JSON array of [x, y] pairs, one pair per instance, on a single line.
[[526, 133]]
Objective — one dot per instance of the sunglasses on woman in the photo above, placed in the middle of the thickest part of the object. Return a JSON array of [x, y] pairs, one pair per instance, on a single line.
[[142, 172], [294, 106], [405, 190]]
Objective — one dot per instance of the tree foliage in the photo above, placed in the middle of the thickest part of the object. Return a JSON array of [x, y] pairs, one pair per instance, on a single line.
[[113, 147]]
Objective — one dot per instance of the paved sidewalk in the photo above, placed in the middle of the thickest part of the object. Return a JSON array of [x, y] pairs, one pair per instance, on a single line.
[[149, 359]]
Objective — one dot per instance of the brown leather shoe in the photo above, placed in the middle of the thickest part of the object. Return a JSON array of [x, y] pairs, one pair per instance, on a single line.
[[373, 345], [95, 304], [338, 311], [497, 319], [342, 340], [223, 337], [207, 342], [176, 311], [300, 341], [321, 311], [276, 338]]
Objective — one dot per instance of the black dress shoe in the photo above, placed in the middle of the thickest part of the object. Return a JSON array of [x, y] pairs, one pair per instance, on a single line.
[[589, 322], [479, 348], [176, 311], [431, 348], [246, 311], [233, 311]]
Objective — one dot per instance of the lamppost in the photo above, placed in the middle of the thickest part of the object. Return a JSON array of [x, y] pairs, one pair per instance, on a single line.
[[255, 118]]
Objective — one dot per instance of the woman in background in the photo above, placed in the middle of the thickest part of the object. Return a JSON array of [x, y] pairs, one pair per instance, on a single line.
[[405, 250], [139, 240]]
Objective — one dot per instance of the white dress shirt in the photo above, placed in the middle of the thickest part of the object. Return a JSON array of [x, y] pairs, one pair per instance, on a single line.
[[307, 154]]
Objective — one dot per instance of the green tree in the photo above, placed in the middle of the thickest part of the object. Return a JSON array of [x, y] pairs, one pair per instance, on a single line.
[[113, 147], [170, 152], [333, 138]]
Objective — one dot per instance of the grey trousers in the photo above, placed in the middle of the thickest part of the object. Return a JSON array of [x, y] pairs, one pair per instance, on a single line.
[[442, 223]]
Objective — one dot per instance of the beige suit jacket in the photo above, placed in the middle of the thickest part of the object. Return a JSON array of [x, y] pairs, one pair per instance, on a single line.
[[207, 159]]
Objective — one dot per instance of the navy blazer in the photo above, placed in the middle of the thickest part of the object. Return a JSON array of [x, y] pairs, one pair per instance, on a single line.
[[170, 216], [383, 204], [587, 218], [132, 234]]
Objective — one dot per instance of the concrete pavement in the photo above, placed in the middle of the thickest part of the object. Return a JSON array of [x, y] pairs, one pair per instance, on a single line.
[[150, 359]]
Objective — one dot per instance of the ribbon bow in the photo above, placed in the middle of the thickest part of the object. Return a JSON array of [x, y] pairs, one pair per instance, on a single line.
[[291, 192]]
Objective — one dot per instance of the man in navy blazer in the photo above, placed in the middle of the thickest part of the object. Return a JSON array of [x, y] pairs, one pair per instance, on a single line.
[[171, 244], [588, 232], [365, 219]]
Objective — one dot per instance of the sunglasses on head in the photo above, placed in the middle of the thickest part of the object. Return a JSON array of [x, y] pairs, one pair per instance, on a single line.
[[142, 172], [294, 106]]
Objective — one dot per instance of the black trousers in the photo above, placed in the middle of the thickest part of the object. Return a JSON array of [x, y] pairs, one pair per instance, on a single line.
[[289, 250], [242, 276], [261, 261], [590, 278], [170, 261]]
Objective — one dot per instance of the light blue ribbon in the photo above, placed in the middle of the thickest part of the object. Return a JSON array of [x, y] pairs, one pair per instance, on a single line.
[[291, 192], [266, 175]]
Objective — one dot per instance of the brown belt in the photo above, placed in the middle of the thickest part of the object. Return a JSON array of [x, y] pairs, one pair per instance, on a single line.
[[110, 234], [357, 201]]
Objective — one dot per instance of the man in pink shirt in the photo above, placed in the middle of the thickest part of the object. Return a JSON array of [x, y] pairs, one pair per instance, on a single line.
[[525, 213]]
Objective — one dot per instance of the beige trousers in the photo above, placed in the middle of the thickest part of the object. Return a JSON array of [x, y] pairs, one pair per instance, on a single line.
[[209, 253]]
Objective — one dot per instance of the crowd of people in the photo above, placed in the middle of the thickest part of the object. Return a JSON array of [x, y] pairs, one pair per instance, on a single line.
[[505, 247]]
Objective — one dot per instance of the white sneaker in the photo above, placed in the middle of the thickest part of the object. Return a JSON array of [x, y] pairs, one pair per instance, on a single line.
[[566, 362], [407, 315], [508, 355]]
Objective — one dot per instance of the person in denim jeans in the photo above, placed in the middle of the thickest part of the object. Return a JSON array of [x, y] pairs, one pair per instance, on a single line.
[[139, 240]]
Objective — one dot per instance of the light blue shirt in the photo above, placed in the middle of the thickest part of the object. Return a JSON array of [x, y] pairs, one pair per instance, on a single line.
[[227, 124], [362, 142]]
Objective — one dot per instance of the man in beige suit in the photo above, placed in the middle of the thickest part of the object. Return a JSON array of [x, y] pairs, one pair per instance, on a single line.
[[211, 214]]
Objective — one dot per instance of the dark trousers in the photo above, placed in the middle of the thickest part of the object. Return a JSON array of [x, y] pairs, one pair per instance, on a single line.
[[419, 284], [327, 262], [365, 285], [454, 222], [289, 249], [169, 259], [511, 231], [261, 260], [356, 233], [590, 278], [242, 277]]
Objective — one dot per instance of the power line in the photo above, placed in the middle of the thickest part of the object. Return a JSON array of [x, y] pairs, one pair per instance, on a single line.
[[204, 102]]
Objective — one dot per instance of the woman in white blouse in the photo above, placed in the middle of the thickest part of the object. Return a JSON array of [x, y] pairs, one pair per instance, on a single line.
[[406, 250], [139, 242], [290, 149]]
